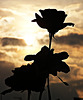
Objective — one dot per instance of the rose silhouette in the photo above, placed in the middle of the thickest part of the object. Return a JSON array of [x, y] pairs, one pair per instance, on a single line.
[[52, 20]]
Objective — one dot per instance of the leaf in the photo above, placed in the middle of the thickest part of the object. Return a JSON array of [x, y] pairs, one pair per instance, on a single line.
[[6, 91], [66, 83], [63, 81]]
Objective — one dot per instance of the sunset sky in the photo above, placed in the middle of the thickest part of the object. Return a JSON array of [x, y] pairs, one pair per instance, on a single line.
[[20, 37]]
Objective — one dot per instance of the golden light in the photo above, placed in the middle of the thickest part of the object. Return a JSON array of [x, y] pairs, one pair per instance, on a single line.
[[29, 39]]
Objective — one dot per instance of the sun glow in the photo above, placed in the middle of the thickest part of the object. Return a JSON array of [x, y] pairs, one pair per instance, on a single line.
[[30, 40]]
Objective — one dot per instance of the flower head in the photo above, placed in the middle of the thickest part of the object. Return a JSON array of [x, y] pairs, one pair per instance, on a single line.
[[49, 62], [52, 20]]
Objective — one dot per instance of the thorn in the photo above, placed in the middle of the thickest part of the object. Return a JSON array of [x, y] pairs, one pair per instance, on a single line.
[[54, 38]]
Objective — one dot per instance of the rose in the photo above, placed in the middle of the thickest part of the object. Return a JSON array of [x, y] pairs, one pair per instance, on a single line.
[[52, 20]]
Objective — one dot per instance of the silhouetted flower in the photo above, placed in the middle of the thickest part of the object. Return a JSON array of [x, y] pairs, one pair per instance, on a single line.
[[47, 61], [33, 77], [52, 20], [25, 77]]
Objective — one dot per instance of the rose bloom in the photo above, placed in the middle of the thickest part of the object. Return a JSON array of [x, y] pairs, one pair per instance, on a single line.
[[52, 20]]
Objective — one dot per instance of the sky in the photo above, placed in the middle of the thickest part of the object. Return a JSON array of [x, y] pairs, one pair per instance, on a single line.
[[20, 37]]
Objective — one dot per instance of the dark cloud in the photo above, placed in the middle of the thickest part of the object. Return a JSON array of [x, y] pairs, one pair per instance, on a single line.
[[73, 79], [6, 41], [5, 71], [71, 75], [70, 39], [44, 41], [77, 84], [59, 91]]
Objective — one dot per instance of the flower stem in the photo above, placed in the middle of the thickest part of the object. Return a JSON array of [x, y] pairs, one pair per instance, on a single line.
[[50, 39], [29, 92], [49, 94], [1, 96], [40, 96]]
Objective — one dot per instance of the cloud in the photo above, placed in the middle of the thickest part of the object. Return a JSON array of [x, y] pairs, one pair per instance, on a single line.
[[73, 11], [48, 2], [2, 54], [14, 55], [72, 75], [67, 42], [6, 41], [57, 91], [5, 13], [71, 39], [73, 79], [5, 71], [77, 84], [13, 49]]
